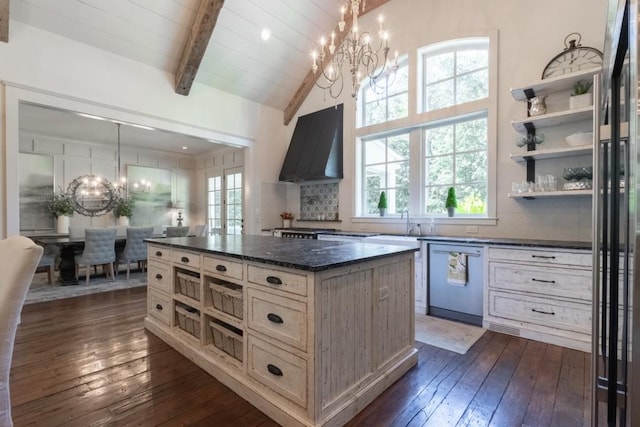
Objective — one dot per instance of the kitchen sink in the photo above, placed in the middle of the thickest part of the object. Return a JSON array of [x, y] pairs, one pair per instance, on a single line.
[[391, 239]]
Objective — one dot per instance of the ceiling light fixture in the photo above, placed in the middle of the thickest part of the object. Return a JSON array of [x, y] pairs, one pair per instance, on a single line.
[[265, 34], [354, 48]]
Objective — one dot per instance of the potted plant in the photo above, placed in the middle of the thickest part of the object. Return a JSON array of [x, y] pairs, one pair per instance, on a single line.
[[451, 204], [286, 219], [123, 209], [382, 203], [581, 97], [61, 206]]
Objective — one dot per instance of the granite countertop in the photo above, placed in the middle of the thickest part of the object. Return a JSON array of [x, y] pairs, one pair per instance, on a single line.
[[309, 255], [510, 242]]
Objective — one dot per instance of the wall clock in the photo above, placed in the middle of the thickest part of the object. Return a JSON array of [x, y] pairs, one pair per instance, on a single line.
[[574, 57]]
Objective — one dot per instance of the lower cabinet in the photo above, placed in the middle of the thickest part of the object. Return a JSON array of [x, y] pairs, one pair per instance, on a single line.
[[308, 349], [540, 293]]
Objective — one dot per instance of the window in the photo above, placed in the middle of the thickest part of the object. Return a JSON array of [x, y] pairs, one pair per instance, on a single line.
[[386, 168], [456, 156], [389, 100], [454, 73], [225, 190], [446, 138]]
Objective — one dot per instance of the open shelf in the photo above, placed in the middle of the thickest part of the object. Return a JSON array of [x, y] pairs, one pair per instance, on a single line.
[[554, 84], [554, 119], [552, 153], [548, 194]]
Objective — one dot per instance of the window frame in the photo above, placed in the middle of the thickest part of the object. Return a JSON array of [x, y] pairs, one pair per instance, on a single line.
[[418, 119]]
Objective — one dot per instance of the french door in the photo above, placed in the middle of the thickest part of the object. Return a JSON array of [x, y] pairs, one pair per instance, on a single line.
[[225, 193]]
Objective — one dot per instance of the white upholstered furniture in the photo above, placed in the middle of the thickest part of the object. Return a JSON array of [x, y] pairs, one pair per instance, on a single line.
[[19, 257]]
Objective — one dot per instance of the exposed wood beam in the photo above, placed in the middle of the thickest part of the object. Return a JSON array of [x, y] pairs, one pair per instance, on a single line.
[[310, 79], [196, 45], [4, 21]]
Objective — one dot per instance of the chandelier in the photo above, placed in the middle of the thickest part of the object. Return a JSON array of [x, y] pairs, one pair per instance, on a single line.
[[353, 47]]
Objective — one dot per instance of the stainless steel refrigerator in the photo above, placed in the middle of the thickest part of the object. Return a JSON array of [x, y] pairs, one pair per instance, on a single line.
[[616, 225]]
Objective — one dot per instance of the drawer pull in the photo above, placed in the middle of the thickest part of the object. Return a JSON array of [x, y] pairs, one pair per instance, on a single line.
[[275, 318], [159, 276], [158, 253], [158, 306], [542, 281], [221, 268], [184, 259], [273, 369], [543, 256], [551, 313], [274, 280]]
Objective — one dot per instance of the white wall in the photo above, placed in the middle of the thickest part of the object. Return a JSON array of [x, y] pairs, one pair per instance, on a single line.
[[47, 69], [530, 34]]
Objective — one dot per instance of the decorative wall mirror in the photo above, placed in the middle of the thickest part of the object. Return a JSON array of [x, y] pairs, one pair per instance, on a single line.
[[92, 195]]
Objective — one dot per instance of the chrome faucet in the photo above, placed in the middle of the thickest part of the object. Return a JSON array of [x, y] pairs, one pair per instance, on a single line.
[[409, 227]]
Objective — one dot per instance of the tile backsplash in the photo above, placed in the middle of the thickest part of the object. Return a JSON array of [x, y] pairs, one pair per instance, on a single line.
[[319, 202]]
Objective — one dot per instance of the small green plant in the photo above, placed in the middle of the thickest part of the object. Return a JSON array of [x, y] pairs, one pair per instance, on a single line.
[[382, 203], [580, 87], [123, 206], [451, 199], [61, 203]]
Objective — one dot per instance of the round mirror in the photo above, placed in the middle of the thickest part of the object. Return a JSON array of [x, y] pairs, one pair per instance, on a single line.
[[92, 195]]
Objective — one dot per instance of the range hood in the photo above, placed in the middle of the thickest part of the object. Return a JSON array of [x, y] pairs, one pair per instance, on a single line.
[[315, 151]]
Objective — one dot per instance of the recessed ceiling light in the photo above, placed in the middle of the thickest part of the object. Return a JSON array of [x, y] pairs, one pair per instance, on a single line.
[[184, 147], [265, 34]]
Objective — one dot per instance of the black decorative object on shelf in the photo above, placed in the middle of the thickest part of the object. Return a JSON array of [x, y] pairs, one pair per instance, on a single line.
[[574, 57]]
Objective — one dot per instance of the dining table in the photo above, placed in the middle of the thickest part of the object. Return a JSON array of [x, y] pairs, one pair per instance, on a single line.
[[69, 248]]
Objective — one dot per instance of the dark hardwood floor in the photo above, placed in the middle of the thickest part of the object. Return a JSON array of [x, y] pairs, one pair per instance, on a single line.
[[88, 361]]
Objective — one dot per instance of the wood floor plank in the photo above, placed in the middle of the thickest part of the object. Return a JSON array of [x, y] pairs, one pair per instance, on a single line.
[[484, 404], [87, 361]]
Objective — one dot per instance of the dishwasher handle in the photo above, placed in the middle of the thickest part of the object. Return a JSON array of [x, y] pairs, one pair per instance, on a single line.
[[458, 252]]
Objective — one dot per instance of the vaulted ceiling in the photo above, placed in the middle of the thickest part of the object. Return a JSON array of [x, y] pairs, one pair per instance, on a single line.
[[214, 42]]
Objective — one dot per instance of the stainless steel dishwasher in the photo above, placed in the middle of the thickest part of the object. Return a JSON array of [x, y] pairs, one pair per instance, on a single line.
[[452, 299]]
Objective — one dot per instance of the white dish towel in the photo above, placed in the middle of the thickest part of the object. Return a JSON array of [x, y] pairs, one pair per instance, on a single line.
[[457, 268]]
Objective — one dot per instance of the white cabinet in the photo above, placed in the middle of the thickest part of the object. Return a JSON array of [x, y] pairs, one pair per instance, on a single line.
[[540, 293], [562, 116]]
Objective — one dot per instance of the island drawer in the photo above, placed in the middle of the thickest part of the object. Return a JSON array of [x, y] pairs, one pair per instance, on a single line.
[[281, 318], [223, 267], [159, 253], [549, 257], [542, 280], [186, 259], [547, 312], [159, 306], [278, 279], [281, 371], [159, 276]]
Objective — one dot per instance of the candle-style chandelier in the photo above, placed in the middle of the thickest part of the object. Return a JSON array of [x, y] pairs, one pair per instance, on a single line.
[[353, 46]]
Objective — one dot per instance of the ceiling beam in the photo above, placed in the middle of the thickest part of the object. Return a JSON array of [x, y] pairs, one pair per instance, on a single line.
[[196, 44], [311, 77], [4, 21]]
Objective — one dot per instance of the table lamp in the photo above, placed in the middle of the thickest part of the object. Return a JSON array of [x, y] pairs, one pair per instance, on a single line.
[[179, 206]]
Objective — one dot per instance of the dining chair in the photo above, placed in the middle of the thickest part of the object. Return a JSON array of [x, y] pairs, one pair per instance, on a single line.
[[19, 257], [47, 264], [177, 231], [76, 232], [200, 230], [99, 249], [135, 249]]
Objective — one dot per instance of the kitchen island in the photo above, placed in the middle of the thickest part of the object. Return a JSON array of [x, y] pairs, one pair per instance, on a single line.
[[308, 331]]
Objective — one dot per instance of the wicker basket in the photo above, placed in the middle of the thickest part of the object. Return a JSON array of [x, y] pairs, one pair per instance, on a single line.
[[227, 297], [188, 285], [227, 340], [188, 321]]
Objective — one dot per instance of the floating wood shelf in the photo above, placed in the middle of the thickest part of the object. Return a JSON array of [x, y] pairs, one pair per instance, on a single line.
[[552, 153], [554, 119], [554, 84], [548, 194]]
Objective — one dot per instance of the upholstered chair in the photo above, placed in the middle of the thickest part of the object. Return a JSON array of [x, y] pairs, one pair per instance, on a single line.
[[200, 230], [19, 258], [47, 264], [99, 249], [177, 231], [135, 250]]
